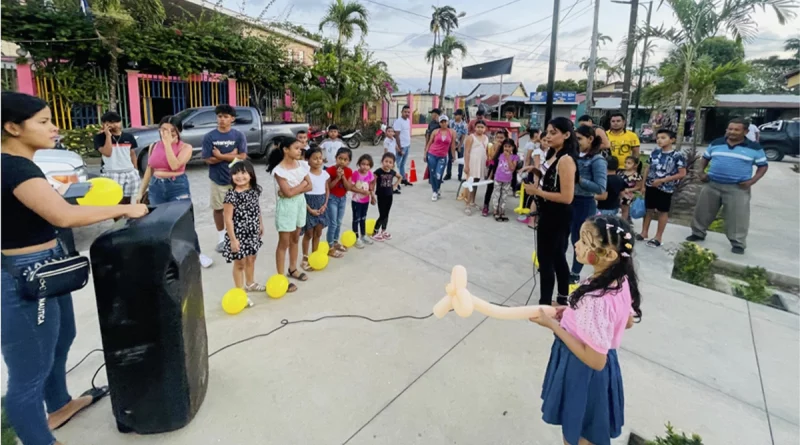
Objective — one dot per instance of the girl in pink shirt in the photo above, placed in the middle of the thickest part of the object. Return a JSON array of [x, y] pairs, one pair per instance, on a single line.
[[582, 388]]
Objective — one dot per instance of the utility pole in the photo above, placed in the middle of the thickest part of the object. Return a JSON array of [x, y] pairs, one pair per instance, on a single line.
[[551, 71], [641, 69], [592, 61], [626, 81]]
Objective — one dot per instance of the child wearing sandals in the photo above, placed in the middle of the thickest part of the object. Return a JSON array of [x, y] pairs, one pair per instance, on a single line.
[[292, 181], [386, 181], [505, 160], [316, 203], [582, 389], [475, 149], [363, 194], [244, 226]]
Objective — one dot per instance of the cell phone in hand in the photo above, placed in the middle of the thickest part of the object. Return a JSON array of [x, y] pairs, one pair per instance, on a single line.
[[78, 190]]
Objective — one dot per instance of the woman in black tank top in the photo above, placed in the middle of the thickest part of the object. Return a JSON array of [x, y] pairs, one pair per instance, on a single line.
[[554, 200]]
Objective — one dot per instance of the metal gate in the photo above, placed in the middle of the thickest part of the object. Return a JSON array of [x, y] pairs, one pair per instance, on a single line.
[[67, 115], [165, 95]]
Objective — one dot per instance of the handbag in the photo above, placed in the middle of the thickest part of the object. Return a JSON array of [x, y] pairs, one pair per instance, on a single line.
[[637, 208], [52, 278]]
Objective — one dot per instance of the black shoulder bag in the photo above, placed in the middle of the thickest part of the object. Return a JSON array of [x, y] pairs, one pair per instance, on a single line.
[[53, 277]]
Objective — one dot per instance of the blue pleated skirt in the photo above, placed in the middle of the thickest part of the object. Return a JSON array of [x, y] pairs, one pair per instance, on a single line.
[[586, 403]]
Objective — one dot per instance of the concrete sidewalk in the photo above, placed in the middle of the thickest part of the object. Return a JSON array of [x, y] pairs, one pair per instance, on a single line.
[[706, 362]]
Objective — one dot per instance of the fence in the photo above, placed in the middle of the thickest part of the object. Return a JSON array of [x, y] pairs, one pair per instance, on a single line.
[[9, 76], [166, 95]]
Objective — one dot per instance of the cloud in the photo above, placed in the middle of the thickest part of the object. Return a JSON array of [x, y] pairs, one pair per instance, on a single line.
[[574, 33], [572, 68]]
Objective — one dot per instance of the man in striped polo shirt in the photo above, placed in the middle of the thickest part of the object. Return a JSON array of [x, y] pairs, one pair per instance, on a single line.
[[729, 180]]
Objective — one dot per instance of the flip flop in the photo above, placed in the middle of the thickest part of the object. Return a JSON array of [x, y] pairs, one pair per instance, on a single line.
[[654, 243], [96, 393], [294, 274]]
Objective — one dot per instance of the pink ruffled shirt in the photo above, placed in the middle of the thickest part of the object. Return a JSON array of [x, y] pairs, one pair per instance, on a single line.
[[599, 321]]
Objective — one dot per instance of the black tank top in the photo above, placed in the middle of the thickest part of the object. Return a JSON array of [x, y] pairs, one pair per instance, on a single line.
[[551, 183]]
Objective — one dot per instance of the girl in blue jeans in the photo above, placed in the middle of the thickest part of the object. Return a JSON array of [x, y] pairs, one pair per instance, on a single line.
[[36, 335], [339, 184], [165, 178], [441, 142], [592, 173]]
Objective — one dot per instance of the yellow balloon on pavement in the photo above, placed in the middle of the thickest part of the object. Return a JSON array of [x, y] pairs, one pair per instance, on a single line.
[[277, 285], [370, 226], [324, 247], [234, 301], [318, 260], [104, 192], [349, 238]]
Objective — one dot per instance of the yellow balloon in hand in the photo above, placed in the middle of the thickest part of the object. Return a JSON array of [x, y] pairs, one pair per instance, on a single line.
[[104, 192], [324, 247], [370, 226], [277, 285], [318, 260], [234, 301], [349, 238]]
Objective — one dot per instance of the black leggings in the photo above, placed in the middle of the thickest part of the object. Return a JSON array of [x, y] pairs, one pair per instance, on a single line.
[[360, 218], [384, 206], [489, 188], [551, 246]]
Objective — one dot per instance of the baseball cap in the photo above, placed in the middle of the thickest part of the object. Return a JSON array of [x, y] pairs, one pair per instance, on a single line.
[[436, 110], [443, 118]]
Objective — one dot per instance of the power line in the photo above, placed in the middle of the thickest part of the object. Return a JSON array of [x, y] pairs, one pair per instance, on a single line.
[[472, 16]]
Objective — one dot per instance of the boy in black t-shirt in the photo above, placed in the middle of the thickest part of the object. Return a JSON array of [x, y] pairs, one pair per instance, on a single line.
[[386, 181], [608, 201]]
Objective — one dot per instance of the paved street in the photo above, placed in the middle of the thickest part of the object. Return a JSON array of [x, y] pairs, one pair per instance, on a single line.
[[706, 362]]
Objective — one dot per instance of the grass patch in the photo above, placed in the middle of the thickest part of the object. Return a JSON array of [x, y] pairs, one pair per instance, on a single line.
[[7, 434], [693, 265], [672, 438], [756, 288]]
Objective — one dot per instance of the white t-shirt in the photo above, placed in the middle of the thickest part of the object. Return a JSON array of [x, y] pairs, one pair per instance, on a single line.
[[403, 129], [390, 145], [293, 177], [318, 182], [329, 148], [752, 132]]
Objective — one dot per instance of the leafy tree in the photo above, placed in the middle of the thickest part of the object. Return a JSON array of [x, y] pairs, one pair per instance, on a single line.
[[445, 52], [699, 20], [766, 76], [445, 19], [793, 44], [719, 50], [345, 17], [563, 85]]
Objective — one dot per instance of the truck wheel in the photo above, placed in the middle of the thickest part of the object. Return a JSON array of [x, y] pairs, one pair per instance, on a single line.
[[773, 154], [353, 143]]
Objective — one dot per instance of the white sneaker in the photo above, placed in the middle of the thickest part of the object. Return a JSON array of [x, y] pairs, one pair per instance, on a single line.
[[435, 197], [205, 261], [367, 240], [359, 244]]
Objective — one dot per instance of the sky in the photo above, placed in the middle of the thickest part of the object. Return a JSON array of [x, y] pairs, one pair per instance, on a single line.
[[498, 29]]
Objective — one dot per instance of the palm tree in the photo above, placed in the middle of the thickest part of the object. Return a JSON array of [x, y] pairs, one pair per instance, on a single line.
[[612, 71], [344, 17], [444, 19], [110, 18], [793, 44], [699, 20], [599, 63], [445, 52], [602, 39]]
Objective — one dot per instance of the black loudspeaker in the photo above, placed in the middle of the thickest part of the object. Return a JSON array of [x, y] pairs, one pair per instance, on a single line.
[[150, 303]]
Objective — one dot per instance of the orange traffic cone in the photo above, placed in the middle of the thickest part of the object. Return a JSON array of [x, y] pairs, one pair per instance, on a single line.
[[412, 175]]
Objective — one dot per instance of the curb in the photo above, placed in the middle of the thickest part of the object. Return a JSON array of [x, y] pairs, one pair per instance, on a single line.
[[775, 278]]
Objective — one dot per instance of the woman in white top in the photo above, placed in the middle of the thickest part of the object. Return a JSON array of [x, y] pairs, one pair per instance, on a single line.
[[292, 181], [475, 160]]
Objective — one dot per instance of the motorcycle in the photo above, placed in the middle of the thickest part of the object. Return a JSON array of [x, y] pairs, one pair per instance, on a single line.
[[352, 140], [380, 135], [317, 136]]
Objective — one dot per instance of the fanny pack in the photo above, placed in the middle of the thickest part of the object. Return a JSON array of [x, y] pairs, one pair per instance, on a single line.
[[52, 277]]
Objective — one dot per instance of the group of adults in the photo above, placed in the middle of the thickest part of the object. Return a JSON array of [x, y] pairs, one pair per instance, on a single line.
[[37, 331]]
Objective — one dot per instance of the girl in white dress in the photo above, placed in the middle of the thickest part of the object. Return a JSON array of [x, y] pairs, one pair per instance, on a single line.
[[475, 160]]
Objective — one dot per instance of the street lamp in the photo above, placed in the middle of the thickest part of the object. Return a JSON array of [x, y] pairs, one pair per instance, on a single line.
[[629, 62]]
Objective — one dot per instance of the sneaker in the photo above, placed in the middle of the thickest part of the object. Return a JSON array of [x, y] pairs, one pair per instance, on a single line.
[[485, 211], [397, 192], [386, 236], [439, 194], [255, 287], [737, 250], [435, 197], [220, 247], [447, 178], [359, 244], [205, 261], [516, 194], [694, 238], [409, 184], [367, 240], [378, 237]]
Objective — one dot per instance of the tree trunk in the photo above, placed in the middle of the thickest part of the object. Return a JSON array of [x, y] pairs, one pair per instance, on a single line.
[[684, 100], [113, 77], [433, 61], [444, 83], [339, 67]]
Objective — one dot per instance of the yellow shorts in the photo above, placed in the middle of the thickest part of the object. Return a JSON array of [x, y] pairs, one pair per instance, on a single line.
[[218, 195]]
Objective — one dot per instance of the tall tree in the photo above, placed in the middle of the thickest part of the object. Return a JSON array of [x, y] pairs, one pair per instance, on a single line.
[[445, 19], [703, 19], [719, 50], [793, 44], [344, 17], [111, 17], [445, 52]]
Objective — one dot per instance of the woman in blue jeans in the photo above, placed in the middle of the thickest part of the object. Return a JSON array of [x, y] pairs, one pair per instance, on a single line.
[[592, 173], [165, 179], [37, 334], [441, 142]]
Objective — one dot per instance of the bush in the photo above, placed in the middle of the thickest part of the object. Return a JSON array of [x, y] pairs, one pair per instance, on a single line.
[[693, 265], [9, 437], [718, 225], [673, 439], [756, 288], [80, 140]]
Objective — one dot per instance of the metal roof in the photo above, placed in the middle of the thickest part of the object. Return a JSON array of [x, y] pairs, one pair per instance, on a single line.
[[493, 89], [758, 100]]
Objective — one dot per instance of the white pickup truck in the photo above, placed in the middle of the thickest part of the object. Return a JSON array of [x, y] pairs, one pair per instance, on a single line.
[[61, 166]]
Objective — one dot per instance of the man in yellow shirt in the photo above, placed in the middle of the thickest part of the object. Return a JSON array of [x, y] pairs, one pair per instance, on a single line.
[[624, 143]]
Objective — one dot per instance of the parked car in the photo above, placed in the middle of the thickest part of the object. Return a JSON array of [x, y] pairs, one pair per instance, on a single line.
[[780, 138], [199, 121], [61, 166]]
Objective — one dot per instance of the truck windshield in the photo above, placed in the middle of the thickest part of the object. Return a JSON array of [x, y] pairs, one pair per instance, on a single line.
[[183, 114]]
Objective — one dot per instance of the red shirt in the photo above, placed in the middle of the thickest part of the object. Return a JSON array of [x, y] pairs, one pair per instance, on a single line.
[[338, 190]]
